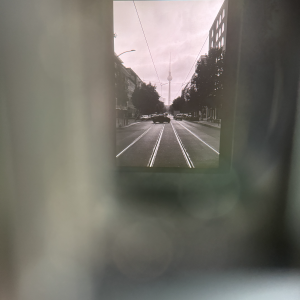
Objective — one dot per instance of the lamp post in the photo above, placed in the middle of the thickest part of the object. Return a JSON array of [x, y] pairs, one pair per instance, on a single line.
[[161, 87], [125, 52]]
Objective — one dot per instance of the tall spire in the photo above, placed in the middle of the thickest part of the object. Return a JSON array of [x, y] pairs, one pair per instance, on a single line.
[[169, 79]]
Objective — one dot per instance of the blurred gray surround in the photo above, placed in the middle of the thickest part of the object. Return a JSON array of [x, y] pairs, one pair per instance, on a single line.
[[70, 228], [56, 146]]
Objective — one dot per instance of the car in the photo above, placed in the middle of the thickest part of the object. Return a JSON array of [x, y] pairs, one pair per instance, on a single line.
[[178, 117], [144, 118], [161, 118]]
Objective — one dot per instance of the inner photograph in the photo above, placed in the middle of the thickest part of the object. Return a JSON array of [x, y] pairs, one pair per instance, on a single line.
[[168, 60]]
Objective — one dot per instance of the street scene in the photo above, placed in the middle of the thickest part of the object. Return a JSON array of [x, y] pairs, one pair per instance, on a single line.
[[169, 78], [178, 143]]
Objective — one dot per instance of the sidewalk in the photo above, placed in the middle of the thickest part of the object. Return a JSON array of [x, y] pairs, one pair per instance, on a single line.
[[209, 124], [121, 123]]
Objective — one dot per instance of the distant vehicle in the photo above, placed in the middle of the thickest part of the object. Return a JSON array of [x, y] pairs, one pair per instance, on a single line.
[[160, 119], [178, 117], [144, 118]]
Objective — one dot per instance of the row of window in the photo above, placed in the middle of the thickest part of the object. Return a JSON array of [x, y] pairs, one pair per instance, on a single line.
[[219, 32], [219, 44], [221, 17]]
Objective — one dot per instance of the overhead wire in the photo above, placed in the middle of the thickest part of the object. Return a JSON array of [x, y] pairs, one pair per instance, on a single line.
[[146, 41], [161, 83], [184, 82]]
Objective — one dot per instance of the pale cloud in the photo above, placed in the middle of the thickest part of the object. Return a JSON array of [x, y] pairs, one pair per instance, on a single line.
[[179, 27]]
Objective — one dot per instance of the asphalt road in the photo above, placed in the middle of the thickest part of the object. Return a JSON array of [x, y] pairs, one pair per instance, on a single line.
[[179, 144]]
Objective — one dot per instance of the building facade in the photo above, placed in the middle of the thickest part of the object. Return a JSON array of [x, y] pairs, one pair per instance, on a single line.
[[133, 81], [126, 80], [218, 30]]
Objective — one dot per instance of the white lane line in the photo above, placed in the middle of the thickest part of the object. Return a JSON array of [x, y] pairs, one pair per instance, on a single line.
[[134, 141], [155, 149], [196, 136], [183, 150]]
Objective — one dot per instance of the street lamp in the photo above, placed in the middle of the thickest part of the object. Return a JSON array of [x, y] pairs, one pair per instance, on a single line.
[[161, 87], [125, 52]]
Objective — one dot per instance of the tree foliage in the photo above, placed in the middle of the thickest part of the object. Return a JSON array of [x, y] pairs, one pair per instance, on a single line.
[[206, 86], [179, 104], [146, 99], [209, 78]]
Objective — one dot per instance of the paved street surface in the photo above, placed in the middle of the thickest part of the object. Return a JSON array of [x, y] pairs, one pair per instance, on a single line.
[[179, 144]]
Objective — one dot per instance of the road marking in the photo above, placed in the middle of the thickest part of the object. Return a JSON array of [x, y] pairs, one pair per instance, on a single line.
[[134, 141], [196, 136], [155, 149], [183, 150]]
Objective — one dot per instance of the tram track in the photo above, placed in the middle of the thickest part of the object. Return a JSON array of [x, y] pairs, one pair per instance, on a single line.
[[155, 149], [197, 137], [168, 146], [186, 156]]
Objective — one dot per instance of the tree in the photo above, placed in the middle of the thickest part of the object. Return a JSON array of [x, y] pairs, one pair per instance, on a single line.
[[146, 99], [216, 60], [179, 104], [160, 107], [193, 99], [208, 79]]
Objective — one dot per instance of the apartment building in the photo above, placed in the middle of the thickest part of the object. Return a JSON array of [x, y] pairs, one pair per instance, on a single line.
[[217, 32], [125, 80]]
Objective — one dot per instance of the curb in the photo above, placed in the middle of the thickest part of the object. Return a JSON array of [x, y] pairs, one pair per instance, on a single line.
[[207, 125], [130, 124], [119, 127]]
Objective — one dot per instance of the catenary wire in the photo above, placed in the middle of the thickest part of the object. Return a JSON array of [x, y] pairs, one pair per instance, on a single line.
[[162, 83], [146, 41], [192, 66]]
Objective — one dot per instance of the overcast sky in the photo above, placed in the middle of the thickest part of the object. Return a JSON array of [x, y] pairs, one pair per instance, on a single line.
[[179, 27]]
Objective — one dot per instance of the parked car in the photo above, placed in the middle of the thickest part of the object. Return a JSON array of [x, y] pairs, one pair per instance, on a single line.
[[178, 117], [161, 119], [144, 118]]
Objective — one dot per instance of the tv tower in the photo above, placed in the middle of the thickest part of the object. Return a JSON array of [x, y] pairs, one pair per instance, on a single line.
[[169, 79]]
